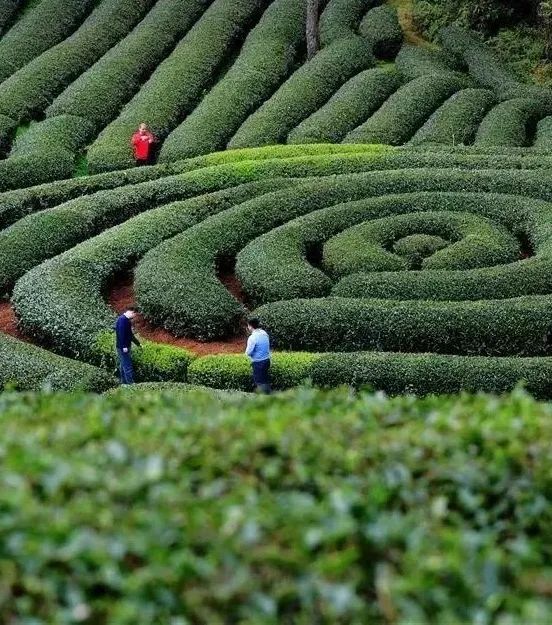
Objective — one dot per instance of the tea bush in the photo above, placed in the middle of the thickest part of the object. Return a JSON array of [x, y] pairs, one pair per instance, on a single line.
[[356, 509], [38, 30], [381, 26], [265, 61]]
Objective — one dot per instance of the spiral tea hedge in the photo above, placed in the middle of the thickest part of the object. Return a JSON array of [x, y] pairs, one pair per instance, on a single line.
[[374, 266]]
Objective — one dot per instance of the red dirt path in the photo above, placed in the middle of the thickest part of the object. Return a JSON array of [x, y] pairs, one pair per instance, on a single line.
[[121, 295], [8, 320]]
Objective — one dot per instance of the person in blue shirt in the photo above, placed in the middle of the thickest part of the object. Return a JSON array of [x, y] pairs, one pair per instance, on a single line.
[[258, 351], [124, 337]]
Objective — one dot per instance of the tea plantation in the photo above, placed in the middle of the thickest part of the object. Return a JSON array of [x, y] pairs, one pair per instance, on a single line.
[[384, 207], [398, 237]]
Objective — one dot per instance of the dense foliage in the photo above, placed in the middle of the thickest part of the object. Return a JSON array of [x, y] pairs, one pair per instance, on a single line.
[[521, 32], [305, 508]]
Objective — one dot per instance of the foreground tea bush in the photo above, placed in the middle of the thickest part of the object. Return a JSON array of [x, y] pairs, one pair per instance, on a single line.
[[304, 508]]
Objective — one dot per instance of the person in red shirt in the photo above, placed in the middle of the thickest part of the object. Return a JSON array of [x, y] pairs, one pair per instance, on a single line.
[[142, 141]]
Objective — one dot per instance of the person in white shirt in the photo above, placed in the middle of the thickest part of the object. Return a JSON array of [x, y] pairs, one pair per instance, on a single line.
[[258, 351]]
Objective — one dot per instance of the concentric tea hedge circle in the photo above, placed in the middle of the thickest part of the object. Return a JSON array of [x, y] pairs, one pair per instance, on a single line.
[[370, 256]]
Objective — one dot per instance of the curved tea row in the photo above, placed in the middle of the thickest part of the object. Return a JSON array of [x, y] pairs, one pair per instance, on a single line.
[[431, 267]]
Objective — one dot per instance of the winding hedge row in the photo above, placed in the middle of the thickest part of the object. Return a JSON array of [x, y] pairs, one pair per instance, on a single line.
[[353, 104], [474, 241], [342, 18], [458, 119], [42, 234], [266, 59], [69, 288], [392, 373], [8, 11], [414, 61], [512, 122], [47, 24], [16, 204], [179, 82], [275, 266], [501, 327], [176, 283], [304, 93], [381, 26], [406, 110], [25, 93], [26, 367], [425, 374], [100, 93]]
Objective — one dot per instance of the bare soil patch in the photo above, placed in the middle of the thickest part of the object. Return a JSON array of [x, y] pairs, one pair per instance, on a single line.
[[121, 295], [8, 321]]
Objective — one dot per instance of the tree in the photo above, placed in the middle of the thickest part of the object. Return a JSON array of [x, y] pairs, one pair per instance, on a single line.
[[545, 13], [313, 32]]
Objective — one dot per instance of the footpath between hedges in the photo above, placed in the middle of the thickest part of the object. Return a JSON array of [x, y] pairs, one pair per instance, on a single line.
[[121, 296]]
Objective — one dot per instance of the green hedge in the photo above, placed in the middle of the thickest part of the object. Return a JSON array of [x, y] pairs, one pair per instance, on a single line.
[[8, 12], [101, 92], [267, 58], [179, 82], [458, 119], [23, 201], [406, 110], [61, 302], [177, 284], [33, 169], [40, 28], [501, 327], [474, 241], [29, 368], [381, 26], [414, 61], [64, 133], [276, 265], [41, 235], [309, 88], [353, 509], [341, 18], [543, 137], [424, 374], [233, 372], [153, 362], [17, 204], [26, 93], [415, 248], [512, 123], [7, 131], [357, 99]]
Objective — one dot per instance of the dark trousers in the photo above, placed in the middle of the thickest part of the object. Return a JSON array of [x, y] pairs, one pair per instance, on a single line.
[[261, 376], [126, 370]]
